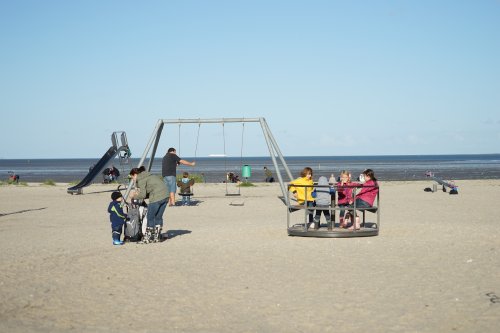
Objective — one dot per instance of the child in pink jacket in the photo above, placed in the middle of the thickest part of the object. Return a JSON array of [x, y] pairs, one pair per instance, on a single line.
[[367, 195], [344, 196]]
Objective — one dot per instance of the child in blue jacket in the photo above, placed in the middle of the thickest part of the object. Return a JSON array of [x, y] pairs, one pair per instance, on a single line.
[[117, 217]]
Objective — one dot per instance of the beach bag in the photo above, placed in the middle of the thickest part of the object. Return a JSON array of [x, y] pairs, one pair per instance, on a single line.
[[133, 225]]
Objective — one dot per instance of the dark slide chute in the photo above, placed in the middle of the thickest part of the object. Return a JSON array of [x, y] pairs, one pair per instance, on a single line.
[[96, 170]]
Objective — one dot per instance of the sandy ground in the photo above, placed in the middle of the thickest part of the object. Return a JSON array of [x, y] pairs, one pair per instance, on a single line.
[[435, 267]]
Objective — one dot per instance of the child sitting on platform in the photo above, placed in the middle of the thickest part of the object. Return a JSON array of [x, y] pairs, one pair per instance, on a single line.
[[344, 197], [303, 193], [323, 200], [367, 195]]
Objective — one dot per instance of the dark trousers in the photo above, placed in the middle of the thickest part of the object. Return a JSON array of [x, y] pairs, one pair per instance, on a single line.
[[117, 231], [326, 213]]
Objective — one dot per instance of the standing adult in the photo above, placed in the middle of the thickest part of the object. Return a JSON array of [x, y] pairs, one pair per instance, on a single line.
[[168, 171], [152, 187]]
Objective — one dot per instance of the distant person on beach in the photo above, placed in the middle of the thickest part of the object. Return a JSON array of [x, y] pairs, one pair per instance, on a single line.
[[184, 185], [231, 177], [323, 200], [302, 188], [117, 217], [110, 174], [113, 173], [169, 171], [152, 187], [269, 175], [367, 195], [344, 196], [13, 177]]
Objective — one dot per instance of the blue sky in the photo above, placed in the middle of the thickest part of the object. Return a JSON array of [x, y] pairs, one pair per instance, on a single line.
[[330, 77]]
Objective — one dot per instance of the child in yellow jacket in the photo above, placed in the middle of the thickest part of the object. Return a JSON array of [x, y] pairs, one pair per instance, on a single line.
[[303, 193]]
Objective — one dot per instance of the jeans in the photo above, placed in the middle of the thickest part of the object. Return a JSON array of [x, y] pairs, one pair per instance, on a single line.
[[310, 211], [361, 204], [155, 213], [186, 199], [171, 183], [342, 211]]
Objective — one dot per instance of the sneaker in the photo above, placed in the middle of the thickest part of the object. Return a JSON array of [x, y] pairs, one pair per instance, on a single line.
[[144, 240], [117, 242], [312, 225]]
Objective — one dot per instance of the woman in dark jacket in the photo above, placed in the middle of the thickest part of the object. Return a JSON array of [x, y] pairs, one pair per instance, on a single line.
[[152, 187]]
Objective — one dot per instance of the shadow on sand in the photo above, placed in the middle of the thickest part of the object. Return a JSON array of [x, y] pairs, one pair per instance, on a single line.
[[174, 233], [22, 211]]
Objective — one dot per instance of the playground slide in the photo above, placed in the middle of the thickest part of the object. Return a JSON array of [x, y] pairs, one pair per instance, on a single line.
[[96, 170]]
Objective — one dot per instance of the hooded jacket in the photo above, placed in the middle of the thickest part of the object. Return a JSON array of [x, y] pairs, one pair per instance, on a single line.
[[323, 194], [369, 192], [151, 186], [116, 215], [185, 185], [303, 193]]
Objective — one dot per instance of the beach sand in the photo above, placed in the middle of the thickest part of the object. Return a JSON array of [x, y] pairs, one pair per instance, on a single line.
[[435, 266]]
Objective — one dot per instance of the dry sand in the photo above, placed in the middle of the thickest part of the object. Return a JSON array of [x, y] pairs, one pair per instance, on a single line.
[[435, 266]]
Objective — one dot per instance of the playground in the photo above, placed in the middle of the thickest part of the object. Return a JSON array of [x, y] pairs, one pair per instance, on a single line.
[[227, 268], [299, 227], [229, 263]]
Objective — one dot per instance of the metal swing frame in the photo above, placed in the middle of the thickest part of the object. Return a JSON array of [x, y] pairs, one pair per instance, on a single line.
[[274, 150]]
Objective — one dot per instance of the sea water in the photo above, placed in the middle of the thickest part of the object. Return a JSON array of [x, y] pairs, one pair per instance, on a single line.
[[214, 169]]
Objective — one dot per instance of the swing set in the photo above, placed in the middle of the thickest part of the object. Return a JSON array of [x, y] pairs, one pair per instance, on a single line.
[[273, 148], [230, 177]]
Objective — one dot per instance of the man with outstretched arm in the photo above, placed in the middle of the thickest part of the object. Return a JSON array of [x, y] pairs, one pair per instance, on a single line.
[[168, 171]]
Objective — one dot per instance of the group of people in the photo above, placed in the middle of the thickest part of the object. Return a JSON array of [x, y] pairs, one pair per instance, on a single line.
[[306, 193], [13, 177], [231, 177], [159, 190], [109, 174]]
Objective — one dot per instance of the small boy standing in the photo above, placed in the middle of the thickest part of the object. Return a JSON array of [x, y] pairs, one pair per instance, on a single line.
[[116, 217]]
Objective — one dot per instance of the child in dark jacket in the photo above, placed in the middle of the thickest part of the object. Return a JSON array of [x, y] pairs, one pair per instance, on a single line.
[[185, 188], [117, 217]]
